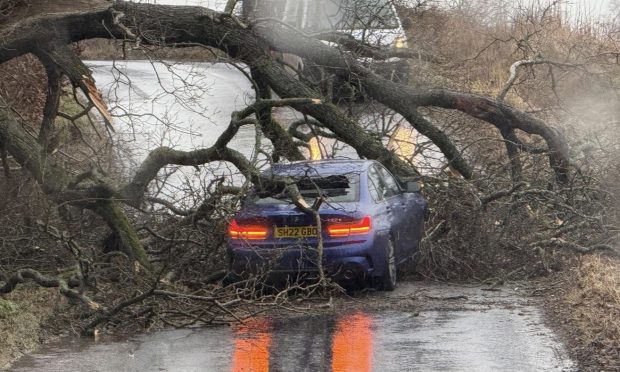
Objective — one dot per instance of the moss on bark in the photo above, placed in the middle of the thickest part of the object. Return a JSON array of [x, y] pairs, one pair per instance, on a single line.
[[116, 219]]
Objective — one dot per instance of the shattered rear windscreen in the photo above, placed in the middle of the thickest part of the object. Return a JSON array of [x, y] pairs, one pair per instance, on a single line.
[[335, 189]]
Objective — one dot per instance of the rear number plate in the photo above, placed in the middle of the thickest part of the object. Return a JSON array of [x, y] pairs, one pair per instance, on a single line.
[[296, 232]]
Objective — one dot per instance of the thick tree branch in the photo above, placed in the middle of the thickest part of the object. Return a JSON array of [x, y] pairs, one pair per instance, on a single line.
[[134, 191], [27, 152], [47, 282], [79, 74], [328, 114], [281, 140], [513, 145], [512, 148], [50, 110], [4, 158], [502, 116], [163, 156], [59, 185], [160, 24], [405, 99], [56, 28], [360, 49]]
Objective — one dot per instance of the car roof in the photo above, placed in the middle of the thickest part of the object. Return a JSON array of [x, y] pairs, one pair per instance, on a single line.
[[320, 167]]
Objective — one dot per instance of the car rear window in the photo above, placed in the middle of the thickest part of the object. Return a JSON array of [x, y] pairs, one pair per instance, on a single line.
[[334, 188]]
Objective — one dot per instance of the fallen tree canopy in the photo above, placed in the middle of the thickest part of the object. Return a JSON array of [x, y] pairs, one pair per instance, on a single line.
[[163, 25], [175, 26], [474, 209]]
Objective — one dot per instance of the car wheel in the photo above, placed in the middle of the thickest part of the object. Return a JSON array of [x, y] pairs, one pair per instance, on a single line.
[[388, 281]]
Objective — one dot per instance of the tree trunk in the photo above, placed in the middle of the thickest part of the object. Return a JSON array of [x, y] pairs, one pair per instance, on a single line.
[[118, 222], [55, 182]]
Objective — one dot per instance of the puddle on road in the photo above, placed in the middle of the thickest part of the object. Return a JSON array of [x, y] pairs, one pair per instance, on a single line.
[[481, 340]]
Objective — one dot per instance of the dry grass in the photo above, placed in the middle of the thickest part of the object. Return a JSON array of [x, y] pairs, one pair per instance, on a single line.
[[590, 308], [22, 321]]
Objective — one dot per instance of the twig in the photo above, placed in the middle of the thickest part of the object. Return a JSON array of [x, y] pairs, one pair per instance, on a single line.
[[103, 317]]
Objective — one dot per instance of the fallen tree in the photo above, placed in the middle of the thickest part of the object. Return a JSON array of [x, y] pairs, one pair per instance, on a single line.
[[175, 26], [251, 43]]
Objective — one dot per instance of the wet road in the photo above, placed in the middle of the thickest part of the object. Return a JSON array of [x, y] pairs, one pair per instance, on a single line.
[[419, 327]]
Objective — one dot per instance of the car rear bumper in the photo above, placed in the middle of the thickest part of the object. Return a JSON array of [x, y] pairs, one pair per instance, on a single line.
[[349, 261]]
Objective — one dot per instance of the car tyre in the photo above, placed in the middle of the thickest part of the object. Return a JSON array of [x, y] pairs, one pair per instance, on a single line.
[[388, 280]]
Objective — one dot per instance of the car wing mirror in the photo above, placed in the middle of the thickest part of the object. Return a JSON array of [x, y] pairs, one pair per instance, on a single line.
[[412, 186]]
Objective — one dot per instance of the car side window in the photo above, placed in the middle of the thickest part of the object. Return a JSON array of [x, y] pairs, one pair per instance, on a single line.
[[375, 184], [391, 184]]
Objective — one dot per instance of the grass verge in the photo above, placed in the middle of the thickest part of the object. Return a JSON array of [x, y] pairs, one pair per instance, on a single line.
[[23, 315], [586, 309]]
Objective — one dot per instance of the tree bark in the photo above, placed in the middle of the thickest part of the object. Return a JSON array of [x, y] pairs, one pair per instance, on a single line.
[[282, 142], [47, 282], [28, 153], [118, 222], [4, 159], [59, 185]]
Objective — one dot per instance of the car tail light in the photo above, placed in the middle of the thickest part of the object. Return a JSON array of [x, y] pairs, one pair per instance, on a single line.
[[358, 227], [249, 232]]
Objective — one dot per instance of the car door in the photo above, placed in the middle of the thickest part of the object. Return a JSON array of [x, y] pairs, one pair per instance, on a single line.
[[390, 196], [382, 217], [416, 210], [397, 206], [413, 207]]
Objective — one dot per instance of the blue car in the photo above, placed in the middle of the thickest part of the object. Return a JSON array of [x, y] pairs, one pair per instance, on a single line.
[[371, 222]]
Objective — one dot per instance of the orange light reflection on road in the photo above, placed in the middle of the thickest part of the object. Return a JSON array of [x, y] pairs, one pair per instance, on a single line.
[[352, 344], [252, 344]]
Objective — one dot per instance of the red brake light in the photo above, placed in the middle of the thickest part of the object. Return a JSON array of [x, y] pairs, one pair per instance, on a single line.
[[249, 232], [358, 227]]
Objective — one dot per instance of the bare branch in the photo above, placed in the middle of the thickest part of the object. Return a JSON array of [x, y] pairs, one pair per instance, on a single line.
[[526, 62], [163, 156], [561, 243], [47, 282], [50, 109], [107, 315], [500, 194], [5, 160], [66, 60], [350, 43]]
